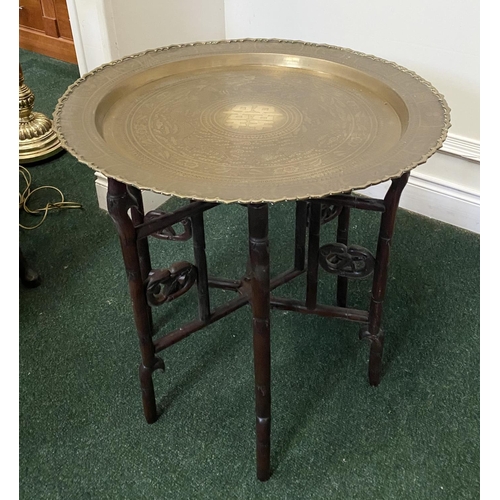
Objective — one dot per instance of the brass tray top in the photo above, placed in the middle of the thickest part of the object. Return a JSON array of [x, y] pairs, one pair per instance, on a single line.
[[251, 120]]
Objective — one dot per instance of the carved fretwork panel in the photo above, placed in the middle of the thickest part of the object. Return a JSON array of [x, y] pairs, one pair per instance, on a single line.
[[165, 285], [349, 261], [169, 233], [328, 212]]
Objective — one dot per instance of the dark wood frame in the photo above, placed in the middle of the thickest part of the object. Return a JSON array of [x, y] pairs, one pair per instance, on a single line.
[[150, 287]]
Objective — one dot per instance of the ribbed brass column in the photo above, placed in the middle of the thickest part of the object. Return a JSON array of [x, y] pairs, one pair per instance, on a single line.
[[37, 139]]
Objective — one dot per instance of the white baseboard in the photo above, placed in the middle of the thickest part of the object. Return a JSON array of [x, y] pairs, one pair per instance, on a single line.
[[101, 188], [438, 200], [462, 146]]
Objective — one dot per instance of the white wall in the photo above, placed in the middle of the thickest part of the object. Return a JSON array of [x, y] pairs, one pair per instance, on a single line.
[[105, 30], [146, 24], [90, 33]]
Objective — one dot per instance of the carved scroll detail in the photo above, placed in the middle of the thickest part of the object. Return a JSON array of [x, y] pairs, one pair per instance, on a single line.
[[169, 232], [165, 285], [330, 212], [351, 262]]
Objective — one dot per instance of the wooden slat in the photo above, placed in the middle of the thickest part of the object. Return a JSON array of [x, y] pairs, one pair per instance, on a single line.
[[48, 8], [38, 41], [50, 27], [62, 17], [49, 18], [30, 15]]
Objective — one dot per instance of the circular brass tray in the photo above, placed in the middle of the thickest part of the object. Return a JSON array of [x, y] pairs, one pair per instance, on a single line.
[[251, 120]]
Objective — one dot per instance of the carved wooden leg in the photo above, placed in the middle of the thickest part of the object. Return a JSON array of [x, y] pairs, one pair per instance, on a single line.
[[373, 332], [137, 214], [260, 301], [119, 201], [313, 256], [342, 237], [201, 264], [300, 234]]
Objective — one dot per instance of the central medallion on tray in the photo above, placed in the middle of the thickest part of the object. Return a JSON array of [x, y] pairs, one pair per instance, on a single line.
[[248, 118], [253, 117]]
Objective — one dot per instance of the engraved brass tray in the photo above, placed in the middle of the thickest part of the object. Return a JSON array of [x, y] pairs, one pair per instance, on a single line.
[[251, 120]]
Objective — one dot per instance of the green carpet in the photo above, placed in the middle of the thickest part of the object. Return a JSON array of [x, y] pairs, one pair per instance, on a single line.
[[82, 432]]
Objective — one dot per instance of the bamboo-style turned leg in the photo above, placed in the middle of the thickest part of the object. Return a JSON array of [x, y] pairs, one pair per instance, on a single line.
[[342, 237], [137, 214], [313, 256], [300, 235], [373, 331], [260, 301], [201, 264], [119, 201]]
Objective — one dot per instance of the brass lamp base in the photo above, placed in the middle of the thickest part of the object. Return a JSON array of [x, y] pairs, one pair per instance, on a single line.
[[37, 139]]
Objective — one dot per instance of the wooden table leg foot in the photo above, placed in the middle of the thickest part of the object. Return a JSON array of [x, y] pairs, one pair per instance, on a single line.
[[148, 394], [263, 448], [375, 362], [376, 351], [148, 391]]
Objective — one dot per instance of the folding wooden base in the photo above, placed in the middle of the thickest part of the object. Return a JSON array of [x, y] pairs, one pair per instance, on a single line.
[[152, 287]]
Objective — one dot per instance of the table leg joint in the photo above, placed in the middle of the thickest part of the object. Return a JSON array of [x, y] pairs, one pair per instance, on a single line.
[[365, 334]]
